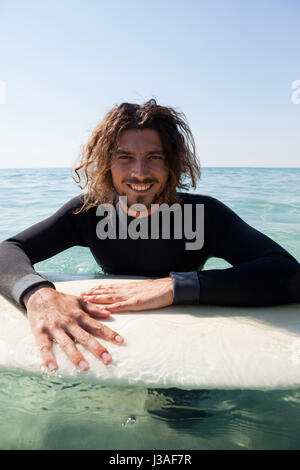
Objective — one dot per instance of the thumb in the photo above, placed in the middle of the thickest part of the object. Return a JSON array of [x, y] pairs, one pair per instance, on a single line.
[[95, 310]]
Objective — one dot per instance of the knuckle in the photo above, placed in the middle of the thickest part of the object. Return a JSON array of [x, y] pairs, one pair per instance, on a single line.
[[100, 329], [107, 333], [68, 321], [39, 329], [83, 337], [104, 331], [98, 349], [111, 335], [65, 343], [44, 348], [84, 304], [76, 358], [54, 325], [77, 314]]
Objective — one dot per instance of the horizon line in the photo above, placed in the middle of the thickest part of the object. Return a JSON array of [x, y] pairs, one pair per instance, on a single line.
[[212, 166]]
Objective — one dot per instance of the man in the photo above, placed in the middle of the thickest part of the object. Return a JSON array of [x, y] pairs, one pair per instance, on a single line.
[[134, 164]]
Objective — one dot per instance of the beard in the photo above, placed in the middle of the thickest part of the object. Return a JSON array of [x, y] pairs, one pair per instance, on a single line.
[[142, 199], [139, 198]]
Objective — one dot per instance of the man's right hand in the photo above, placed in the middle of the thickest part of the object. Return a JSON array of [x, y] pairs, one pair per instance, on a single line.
[[66, 319]]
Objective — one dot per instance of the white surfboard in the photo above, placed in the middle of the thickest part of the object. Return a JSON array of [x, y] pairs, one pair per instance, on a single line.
[[189, 347]]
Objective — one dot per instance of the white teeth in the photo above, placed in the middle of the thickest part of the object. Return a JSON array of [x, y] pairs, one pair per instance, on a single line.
[[140, 188]]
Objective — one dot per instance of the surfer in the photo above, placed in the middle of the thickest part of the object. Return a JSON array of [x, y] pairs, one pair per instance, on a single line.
[[139, 158]]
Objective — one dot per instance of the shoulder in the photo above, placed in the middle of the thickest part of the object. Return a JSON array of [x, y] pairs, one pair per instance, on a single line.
[[71, 205], [211, 202], [214, 210], [72, 208]]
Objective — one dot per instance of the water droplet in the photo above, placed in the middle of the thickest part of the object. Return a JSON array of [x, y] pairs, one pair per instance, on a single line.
[[129, 420]]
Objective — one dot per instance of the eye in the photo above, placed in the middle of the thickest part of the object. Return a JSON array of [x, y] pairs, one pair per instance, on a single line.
[[123, 157], [156, 157]]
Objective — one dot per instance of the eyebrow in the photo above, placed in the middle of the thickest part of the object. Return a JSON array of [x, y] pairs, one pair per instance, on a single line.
[[151, 152]]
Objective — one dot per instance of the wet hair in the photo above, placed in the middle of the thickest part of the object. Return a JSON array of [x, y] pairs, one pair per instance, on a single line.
[[93, 171]]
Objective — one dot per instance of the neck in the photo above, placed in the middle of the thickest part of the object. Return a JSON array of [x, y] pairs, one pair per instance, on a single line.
[[137, 214]]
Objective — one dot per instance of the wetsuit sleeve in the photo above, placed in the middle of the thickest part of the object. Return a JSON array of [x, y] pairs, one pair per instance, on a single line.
[[43, 240], [263, 272]]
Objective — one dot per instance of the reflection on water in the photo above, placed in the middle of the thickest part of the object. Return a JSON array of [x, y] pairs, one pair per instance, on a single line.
[[50, 413], [178, 406]]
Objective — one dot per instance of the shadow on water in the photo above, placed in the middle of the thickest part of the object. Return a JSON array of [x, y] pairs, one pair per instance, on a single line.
[[53, 413], [230, 419], [178, 406]]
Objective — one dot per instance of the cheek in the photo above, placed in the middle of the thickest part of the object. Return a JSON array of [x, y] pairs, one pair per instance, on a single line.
[[117, 175], [164, 175]]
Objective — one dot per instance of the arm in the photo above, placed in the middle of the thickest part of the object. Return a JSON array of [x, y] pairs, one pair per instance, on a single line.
[[37, 243], [53, 315], [263, 272]]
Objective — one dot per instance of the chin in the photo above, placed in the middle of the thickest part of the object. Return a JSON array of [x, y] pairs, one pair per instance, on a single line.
[[145, 199], [139, 200]]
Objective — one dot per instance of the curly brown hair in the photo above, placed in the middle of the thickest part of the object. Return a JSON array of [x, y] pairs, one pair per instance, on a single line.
[[178, 143]]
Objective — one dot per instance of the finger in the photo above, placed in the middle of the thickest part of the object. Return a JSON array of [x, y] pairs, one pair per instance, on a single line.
[[97, 289], [90, 291], [101, 330], [44, 344], [90, 343], [103, 298], [98, 311], [126, 306], [110, 288], [69, 348]]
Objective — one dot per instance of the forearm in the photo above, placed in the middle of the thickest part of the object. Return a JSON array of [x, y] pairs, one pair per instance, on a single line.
[[270, 280], [17, 275], [262, 273], [41, 241]]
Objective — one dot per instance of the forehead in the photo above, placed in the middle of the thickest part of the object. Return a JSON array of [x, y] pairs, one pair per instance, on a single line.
[[136, 140]]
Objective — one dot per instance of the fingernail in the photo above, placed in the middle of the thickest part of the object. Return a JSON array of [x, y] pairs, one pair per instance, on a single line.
[[52, 366], [83, 365], [106, 357], [119, 339]]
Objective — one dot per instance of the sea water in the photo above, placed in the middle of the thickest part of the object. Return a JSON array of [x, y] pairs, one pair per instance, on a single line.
[[50, 412]]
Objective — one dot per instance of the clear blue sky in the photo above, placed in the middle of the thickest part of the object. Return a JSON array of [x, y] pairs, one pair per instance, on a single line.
[[227, 64]]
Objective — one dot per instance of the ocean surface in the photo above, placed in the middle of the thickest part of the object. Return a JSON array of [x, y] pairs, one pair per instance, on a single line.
[[53, 413]]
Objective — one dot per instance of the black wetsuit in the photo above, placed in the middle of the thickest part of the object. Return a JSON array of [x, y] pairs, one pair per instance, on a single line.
[[262, 272]]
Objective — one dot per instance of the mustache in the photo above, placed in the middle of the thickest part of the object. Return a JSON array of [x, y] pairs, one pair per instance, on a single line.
[[145, 181]]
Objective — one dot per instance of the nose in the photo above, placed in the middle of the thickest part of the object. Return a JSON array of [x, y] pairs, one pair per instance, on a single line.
[[140, 169]]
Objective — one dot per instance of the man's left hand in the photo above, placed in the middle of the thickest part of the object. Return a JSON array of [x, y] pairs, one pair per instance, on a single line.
[[126, 296]]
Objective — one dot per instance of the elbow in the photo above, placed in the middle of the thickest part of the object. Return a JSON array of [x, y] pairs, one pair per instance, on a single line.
[[293, 286], [287, 277], [289, 271]]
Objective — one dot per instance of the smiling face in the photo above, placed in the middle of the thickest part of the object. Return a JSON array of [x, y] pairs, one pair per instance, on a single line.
[[139, 166]]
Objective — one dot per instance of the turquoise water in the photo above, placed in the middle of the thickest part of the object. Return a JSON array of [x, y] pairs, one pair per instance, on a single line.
[[54, 413]]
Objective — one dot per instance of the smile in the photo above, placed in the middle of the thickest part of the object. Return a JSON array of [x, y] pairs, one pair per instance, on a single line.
[[141, 188]]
